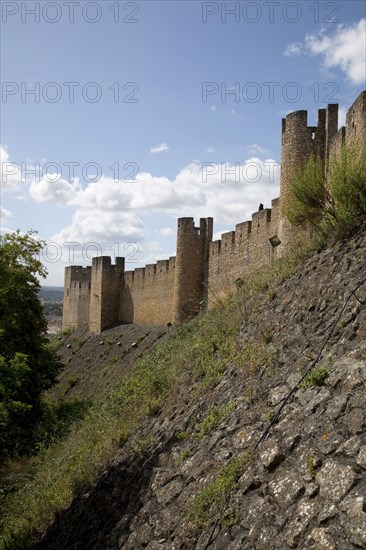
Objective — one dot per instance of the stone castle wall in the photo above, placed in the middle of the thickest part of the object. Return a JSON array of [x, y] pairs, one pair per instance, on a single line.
[[253, 244], [203, 270], [147, 294]]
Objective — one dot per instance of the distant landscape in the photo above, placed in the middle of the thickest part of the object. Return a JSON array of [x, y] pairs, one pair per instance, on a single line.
[[51, 298]]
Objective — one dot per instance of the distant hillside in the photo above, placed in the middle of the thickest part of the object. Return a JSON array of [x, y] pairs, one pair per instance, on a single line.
[[51, 293], [52, 298]]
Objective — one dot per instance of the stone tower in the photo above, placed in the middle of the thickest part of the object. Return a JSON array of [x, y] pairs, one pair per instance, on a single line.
[[191, 265], [299, 141], [106, 282], [76, 297], [356, 122]]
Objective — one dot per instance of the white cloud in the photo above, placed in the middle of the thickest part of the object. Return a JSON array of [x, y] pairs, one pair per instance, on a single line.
[[101, 226], [108, 211], [48, 189], [155, 247], [218, 189], [162, 148], [5, 214], [296, 48], [344, 49], [256, 149], [210, 150], [10, 174], [213, 108], [166, 232]]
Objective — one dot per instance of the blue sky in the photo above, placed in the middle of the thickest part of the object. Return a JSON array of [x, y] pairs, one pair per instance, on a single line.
[[144, 112]]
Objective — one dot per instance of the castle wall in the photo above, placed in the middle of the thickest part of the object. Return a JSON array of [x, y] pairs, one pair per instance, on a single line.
[[339, 140], [253, 244], [146, 296], [202, 271], [331, 131], [356, 122]]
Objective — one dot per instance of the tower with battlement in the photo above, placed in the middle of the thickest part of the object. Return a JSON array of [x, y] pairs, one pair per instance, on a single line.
[[106, 282], [177, 289], [300, 141], [190, 284], [76, 303]]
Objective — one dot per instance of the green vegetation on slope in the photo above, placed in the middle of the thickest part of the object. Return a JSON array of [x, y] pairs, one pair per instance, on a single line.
[[336, 203], [212, 500]]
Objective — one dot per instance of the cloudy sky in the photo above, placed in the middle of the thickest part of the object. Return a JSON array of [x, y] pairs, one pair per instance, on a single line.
[[119, 117]]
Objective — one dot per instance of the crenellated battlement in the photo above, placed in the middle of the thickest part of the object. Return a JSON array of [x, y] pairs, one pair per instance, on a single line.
[[179, 288]]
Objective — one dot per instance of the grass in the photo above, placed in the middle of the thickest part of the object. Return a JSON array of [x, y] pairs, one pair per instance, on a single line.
[[213, 419], [310, 467], [198, 352], [213, 500]]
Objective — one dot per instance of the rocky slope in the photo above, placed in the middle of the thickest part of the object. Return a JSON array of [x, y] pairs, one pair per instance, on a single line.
[[216, 469], [94, 363]]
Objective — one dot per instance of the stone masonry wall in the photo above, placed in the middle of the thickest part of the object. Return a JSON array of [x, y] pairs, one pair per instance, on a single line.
[[253, 244], [190, 270], [147, 294], [356, 122], [106, 282], [76, 297]]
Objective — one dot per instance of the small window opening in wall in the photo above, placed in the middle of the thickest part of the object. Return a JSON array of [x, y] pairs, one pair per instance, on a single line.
[[275, 241], [312, 135]]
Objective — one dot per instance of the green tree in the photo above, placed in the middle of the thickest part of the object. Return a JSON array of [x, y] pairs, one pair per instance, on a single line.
[[27, 365]]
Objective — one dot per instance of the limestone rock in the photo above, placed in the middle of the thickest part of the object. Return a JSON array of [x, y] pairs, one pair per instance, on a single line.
[[335, 480]]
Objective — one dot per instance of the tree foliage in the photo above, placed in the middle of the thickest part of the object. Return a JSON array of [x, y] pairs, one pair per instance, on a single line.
[[27, 365]]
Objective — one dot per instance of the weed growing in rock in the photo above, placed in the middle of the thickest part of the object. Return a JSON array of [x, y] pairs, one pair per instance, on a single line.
[[315, 378], [183, 455], [310, 467], [140, 446], [212, 500], [210, 422]]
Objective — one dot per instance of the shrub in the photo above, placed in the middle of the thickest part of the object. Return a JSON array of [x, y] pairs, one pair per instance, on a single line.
[[348, 183], [335, 202], [315, 377], [311, 202]]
